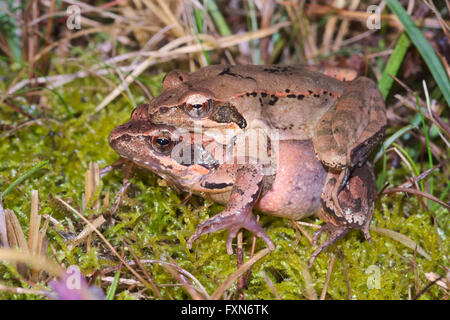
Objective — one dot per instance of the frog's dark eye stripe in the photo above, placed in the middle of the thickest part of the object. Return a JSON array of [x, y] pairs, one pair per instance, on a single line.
[[198, 110], [132, 112]]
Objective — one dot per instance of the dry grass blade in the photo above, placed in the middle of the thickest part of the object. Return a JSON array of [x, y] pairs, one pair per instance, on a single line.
[[428, 286], [149, 277], [3, 227], [390, 19], [37, 262], [402, 239], [16, 237], [222, 43], [22, 290], [445, 26], [344, 267], [57, 43], [330, 28], [421, 176], [327, 280], [198, 286], [418, 192], [92, 181], [35, 221], [232, 277], [56, 81], [87, 231], [180, 270], [270, 284], [184, 282], [344, 27], [309, 292], [299, 227], [137, 275], [128, 282], [431, 276]]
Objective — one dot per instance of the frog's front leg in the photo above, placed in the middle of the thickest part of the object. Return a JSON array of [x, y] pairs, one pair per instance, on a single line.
[[248, 181], [348, 132]]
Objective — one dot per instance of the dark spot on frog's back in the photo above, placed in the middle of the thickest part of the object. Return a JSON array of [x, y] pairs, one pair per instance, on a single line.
[[228, 113], [261, 103], [227, 71], [216, 186], [273, 100], [277, 69]]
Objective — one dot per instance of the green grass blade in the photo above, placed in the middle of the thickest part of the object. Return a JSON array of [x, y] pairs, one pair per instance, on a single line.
[[199, 18], [392, 138], [383, 174], [113, 287], [414, 167], [24, 177], [393, 65], [218, 18], [425, 49]]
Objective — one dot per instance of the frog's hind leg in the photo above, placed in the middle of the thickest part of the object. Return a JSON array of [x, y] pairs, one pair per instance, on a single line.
[[357, 199], [340, 184], [335, 233], [347, 133]]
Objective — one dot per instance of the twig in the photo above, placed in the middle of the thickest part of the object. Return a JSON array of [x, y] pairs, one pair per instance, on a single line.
[[149, 277], [418, 192], [137, 275], [341, 259], [232, 277], [427, 288], [327, 280]]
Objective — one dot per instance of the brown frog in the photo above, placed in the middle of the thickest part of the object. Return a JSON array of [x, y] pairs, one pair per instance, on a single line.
[[299, 187], [343, 119]]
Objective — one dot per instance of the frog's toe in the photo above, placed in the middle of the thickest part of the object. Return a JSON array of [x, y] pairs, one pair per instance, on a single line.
[[234, 223], [252, 225], [335, 234]]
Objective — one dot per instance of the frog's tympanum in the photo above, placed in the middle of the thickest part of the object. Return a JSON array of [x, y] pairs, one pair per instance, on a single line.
[[326, 129]]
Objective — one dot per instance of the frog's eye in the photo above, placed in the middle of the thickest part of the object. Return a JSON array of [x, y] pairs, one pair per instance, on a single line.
[[163, 142], [198, 106]]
